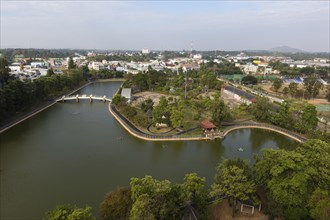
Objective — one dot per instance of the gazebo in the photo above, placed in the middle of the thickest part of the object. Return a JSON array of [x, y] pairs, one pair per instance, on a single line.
[[208, 126]]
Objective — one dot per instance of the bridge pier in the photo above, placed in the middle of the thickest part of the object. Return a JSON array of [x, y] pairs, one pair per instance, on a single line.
[[104, 99]]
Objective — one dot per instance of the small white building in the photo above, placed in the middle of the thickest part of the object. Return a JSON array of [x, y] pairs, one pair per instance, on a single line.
[[127, 93]]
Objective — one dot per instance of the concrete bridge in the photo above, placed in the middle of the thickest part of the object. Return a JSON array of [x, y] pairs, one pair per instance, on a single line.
[[77, 98], [283, 131]]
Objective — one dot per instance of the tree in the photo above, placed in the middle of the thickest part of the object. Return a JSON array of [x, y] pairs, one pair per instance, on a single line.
[[177, 117], [293, 89], [286, 91], [293, 174], [4, 71], [279, 173], [312, 86], [261, 109], [283, 117], [234, 181], [249, 80], [277, 84], [220, 112], [85, 71], [153, 199], [319, 204], [71, 64], [116, 205], [317, 154], [147, 104], [193, 191], [309, 118], [209, 79], [307, 70], [328, 95], [158, 111], [50, 72], [116, 99], [69, 212]]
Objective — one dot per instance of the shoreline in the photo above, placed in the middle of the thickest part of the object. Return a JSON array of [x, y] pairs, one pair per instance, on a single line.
[[149, 137], [111, 80], [32, 113]]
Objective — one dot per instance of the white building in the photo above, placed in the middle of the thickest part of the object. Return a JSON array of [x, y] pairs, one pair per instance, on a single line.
[[250, 68], [145, 51], [127, 93], [197, 56], [97, 66], [37, 64]]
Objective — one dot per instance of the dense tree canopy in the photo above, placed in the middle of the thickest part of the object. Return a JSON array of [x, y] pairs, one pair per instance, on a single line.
[[17, 96], [249, 80], [233, 179], [116, 205], [294, 175], [69, 212]]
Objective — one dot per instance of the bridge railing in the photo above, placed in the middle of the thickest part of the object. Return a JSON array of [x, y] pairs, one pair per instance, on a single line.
[[258, 125]]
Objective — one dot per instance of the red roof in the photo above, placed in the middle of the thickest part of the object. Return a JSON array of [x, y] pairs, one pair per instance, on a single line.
[[207, 124]]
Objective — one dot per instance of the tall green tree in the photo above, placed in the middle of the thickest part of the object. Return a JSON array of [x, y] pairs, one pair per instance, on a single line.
[[4, 71], [312, 87], [71, 64], [158, 111], [283, 117], [193, 192], [293, 89], [116, 205], [147, 104], [309, 118], [50, 72], [233, 179], [261, 110], [153, 199], [277, 84], [220, 112]]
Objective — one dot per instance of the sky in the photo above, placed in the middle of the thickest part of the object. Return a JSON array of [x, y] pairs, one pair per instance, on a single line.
[[165, 25]]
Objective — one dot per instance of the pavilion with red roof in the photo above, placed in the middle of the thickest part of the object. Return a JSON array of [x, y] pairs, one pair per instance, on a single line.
[[207, 125]]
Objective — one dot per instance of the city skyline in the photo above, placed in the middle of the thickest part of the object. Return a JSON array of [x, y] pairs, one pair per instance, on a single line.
[[114, 25]]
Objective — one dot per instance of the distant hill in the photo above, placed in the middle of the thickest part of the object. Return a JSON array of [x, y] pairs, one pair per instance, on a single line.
[[286, 49]]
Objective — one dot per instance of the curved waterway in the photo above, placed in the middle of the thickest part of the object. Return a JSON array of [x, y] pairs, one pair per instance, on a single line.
[[74, 153]]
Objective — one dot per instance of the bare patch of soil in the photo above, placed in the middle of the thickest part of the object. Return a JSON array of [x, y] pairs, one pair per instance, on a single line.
[[154, 96], [222, 211]]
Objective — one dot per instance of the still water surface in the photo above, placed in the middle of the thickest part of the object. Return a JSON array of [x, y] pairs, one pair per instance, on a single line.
[[74, 153]]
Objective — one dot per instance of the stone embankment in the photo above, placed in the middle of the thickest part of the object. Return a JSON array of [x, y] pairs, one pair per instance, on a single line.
[[132, 129], [35, 111]]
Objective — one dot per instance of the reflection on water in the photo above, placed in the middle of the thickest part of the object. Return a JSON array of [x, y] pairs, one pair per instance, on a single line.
[[76, 152]]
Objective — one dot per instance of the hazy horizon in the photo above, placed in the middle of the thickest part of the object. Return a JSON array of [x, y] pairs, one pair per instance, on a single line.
[[211, 25]]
